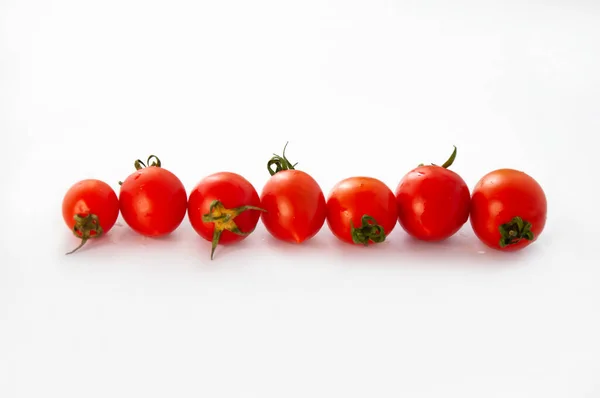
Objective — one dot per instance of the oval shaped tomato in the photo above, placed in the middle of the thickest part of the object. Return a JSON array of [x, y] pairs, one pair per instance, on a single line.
[[508, 210], [90, 209], [433, 202], [153, 200], [294, 203], [361, 210], [224, 208]]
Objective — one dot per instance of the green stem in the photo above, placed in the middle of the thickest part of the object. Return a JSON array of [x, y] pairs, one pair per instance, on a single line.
[[514, 231], [369, 230], [223, 220], [152, 161], [448, 162], [280, 162], [83, 228], [215, 242]]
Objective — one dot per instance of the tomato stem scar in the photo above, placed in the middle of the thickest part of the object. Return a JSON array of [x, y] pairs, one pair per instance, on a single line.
[[369, 230], [223, 219], [281, 163], [512, 232], [83, 228]]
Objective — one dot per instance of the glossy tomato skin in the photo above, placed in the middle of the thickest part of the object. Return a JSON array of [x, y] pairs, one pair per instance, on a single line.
[[88, 197], [295, 206], [433, 203], [233, 191], [498, 198], [153, 201], [354, 197]]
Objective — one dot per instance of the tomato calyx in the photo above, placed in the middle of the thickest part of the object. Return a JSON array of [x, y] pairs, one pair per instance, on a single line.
[[152, 161], [514, 231], [223, 220], [280, 162], [369, 230], [83, 228], [448, 162]]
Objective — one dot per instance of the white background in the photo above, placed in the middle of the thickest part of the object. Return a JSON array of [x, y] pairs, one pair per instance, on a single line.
[[358, 88]]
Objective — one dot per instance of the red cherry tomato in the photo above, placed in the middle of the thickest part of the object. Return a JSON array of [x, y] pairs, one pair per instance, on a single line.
[[153, 200], [433, 202], [508, 210], [361, 210], [294, 203], [90, 209], [224, 208]]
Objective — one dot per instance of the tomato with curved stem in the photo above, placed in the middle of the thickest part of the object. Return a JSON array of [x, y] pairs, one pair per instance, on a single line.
[[361, 211], [153, 200], [294, 203], [433, 201], [508, 209], [90, 209], [224, 208]]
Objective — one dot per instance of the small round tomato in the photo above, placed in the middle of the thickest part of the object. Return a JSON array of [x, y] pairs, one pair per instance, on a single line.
[[153, 200], [508, 210], [224, 208], [90, 209], [361, 210], [433, 202], [294, 203]]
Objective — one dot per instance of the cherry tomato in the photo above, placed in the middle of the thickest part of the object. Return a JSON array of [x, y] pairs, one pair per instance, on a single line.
[[90, 209], [153, 200], [361, 210], [508, 210], [433, 202], [294, 203], [224, 208]]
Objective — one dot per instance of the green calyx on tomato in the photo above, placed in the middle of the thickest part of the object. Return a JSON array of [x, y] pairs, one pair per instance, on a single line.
[[152, 161], [281, 163], [448, 162], [83, 228], [369, 230], [514, 231], [223, 219]]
